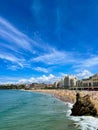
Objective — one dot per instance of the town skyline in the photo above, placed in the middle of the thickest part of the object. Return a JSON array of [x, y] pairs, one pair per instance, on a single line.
[[52, 79]]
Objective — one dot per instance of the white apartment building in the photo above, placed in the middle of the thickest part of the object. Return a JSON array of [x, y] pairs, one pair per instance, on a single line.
[[70, 81], [61, 83], [66, 82]]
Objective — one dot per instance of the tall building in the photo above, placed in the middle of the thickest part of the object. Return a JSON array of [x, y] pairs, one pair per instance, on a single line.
[[61, 83], [70, 81]]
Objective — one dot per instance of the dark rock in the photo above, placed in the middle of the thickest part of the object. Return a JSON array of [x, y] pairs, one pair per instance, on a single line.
[[83, 106]]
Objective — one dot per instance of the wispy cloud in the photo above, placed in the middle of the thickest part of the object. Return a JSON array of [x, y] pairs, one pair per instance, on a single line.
[[13, 67], [16, 46], [14, 36], [90, 62], [80, 74], [41, 69], [18, 41], [84, 74], [12, 58], [55, 57]]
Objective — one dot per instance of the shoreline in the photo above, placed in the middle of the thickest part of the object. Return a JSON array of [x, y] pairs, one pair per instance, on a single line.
[[70, 95]]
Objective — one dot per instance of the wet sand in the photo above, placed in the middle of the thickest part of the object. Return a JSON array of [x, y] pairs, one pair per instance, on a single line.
[[70, 95]]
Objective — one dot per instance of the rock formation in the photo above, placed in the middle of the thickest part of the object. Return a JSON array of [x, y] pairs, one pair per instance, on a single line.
[[83, 106]]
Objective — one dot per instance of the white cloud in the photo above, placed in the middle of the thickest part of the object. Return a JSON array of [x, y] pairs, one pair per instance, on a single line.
[[15, 46], [55, 57], [52, 78], [87, 63], [12, 58], [93, 61], [42, 79], [13, 35], [23, 81], [84, 74], [18, 41], [41, 69], [46, 54], [84, 65]]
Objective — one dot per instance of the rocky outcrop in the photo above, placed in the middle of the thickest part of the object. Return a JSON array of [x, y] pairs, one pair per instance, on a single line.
[[83, 106]]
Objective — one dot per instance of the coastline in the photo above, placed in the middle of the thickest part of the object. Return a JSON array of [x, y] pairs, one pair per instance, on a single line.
[[70, 95]]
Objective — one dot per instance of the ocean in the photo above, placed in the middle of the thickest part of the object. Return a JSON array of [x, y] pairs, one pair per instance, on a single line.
[[23, 110]]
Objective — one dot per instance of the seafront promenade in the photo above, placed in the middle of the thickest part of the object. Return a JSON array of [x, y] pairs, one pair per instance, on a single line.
[[70, 95]]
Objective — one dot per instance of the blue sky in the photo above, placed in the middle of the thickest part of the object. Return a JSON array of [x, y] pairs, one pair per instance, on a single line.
[[43, 40]]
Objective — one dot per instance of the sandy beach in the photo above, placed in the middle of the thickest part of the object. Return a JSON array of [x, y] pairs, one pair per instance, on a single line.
[[70, 95]]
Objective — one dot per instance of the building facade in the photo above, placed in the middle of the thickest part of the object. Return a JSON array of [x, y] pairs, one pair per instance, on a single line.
[[66, 82], [59, 84], [91, 82], [70, 81]]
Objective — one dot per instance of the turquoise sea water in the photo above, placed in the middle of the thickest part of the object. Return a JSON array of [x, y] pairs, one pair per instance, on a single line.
[[22, 110]]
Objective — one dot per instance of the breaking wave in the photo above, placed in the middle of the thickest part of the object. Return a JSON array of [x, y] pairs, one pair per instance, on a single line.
[[82, 122]]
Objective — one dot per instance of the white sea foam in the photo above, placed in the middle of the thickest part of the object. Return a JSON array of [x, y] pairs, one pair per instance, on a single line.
[[68, 108], [82, 122], [85, 122]]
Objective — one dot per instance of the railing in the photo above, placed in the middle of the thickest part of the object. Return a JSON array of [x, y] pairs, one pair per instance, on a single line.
[[85, 88]]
